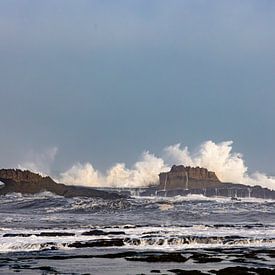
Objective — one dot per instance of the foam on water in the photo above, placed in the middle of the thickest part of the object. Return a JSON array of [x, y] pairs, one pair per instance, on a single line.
[[148, 237], [201, 197], [161, 223]]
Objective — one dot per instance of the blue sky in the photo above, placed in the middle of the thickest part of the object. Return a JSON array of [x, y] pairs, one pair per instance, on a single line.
[[105, 80]]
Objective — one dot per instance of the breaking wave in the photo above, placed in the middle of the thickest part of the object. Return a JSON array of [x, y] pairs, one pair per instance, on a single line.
[[138, 237], [218, 157]]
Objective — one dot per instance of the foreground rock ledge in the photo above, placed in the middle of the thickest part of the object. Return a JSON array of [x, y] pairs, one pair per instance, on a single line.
[[26, 182]]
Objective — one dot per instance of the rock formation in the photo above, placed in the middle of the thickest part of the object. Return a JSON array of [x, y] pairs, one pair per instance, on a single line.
[[181, 180], [188, 177], [26, 182], [18, 175]]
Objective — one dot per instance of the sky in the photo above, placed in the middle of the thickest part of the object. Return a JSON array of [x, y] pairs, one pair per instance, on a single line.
[[102, 82]]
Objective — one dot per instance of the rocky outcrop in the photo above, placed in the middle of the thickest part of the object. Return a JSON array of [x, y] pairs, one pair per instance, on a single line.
[[181, 180], [195, 173], [187, 177], [18, 175], [26, 182]]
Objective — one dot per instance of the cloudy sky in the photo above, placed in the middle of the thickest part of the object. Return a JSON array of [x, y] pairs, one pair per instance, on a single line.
[[103, 81]]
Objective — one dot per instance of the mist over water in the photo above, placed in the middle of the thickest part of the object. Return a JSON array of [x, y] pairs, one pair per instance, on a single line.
[[218, 157]]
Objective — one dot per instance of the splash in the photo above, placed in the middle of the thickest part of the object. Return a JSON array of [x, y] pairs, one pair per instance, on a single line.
[[228, 165], [143, 173], [218, 157], [82, 174], [39, 162]]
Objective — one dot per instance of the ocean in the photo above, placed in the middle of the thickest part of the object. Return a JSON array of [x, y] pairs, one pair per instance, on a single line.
[[49, 234]]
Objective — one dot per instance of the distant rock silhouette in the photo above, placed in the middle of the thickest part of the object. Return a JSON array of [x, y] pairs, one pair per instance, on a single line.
[[27, 182]]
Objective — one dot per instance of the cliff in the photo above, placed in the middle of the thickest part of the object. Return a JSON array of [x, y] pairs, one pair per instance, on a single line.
[[181, 180], [26, 182], [188, 178]]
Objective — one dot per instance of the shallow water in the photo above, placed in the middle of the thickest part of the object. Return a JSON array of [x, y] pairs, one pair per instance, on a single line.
[[48, 234]]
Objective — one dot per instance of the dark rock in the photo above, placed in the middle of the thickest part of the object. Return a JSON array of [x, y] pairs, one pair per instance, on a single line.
[[166, 257], [203, 258], [26, 182], [181, 180], [97, 232], [54, 234], [42, 234], [10, 235], [271, 253], [97, 243], [185, 177], [186, 272]]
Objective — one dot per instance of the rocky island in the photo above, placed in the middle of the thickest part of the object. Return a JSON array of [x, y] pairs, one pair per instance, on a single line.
[[26, 182], [180, 180]]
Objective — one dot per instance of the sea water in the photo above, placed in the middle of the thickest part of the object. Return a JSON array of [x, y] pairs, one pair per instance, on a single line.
[[49, 234]]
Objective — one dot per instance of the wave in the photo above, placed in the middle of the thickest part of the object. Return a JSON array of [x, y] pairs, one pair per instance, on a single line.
[[48, 203], [228, 165], [201, 197], [177, 243], [140, 237], [51, 203]]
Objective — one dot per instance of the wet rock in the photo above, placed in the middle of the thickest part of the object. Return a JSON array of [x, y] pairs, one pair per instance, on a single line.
[[97, 232], [42, 234], [55, 234], [11, 235], [271, 253], [97, 243], [186, 272], [167, 257], [204, 258], [181, 180], [184, 177], [94, 232]]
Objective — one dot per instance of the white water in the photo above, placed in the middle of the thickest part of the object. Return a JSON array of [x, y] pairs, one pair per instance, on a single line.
[[229, 166], [200, 197], [158, 237]]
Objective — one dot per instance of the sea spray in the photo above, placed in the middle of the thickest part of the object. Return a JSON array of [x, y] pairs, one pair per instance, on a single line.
[[229, 166]]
